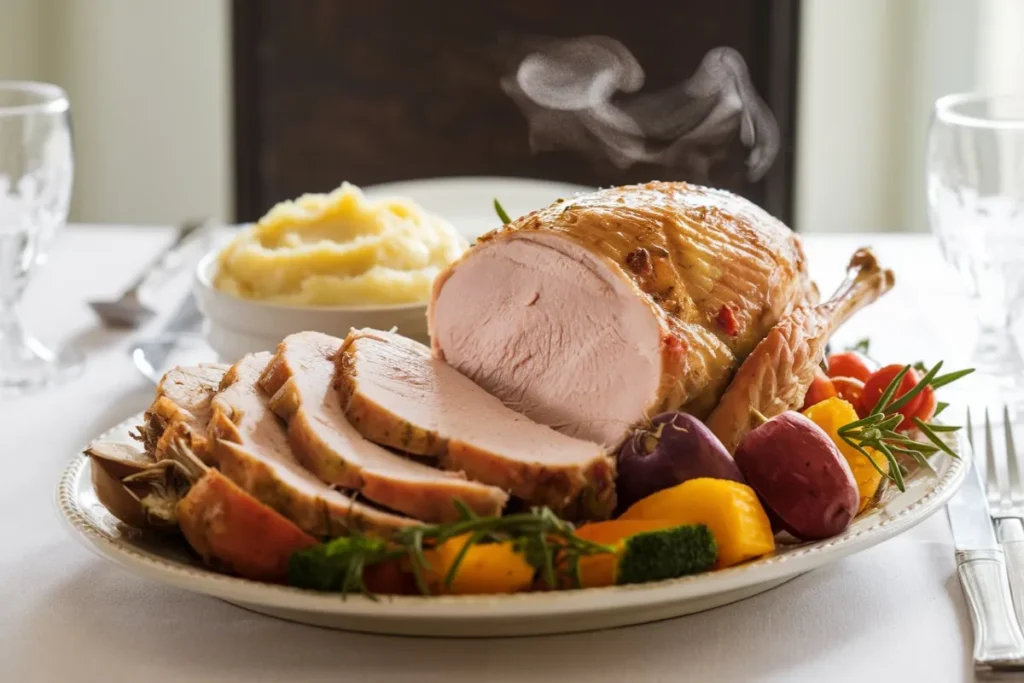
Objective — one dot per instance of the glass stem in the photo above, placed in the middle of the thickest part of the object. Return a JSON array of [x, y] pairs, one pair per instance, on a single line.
[[12, 334], [996, 351]]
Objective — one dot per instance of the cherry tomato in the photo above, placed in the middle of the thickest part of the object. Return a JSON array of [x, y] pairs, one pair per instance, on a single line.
[[390, 578], [928, 404], [821, 388], [850, 389], [849, 364], [880, 379]]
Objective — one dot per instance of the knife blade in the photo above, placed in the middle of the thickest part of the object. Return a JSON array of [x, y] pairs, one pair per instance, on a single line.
[[981, 568], [182, 329], [969, 518]]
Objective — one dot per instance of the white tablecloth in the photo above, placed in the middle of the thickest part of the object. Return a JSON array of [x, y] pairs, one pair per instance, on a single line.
[[892, 613]]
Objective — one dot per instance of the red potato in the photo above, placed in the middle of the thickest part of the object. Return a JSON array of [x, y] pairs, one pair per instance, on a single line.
[[673, 448], [798, 472], [821, 388], [232, 530]]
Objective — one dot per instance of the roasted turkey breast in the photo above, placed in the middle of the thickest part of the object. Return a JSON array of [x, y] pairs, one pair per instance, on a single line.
[[600, 311]]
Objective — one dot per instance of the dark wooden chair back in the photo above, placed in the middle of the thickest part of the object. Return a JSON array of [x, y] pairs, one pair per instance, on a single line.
[[586, 91]]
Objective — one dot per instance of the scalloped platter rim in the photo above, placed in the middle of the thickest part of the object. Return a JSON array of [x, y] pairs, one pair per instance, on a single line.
[[167, 560]]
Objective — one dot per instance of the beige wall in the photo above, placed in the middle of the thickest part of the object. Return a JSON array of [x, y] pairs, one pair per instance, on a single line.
[[870, 71], [20, 51], [149, 86]]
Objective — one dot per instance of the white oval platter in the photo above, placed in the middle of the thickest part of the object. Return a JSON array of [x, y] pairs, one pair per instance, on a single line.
[[169, 561]]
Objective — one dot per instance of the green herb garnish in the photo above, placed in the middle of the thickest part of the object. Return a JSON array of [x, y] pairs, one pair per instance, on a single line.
[[501, 212], [863, 346], [546, 541], [877, 430], [338, 564]]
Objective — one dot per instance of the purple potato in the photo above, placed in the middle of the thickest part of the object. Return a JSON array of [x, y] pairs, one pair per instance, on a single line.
[[674, 448], [800, 475]]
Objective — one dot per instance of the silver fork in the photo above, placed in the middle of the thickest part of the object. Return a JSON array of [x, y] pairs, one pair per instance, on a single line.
[[1006, 503], [128, 310]]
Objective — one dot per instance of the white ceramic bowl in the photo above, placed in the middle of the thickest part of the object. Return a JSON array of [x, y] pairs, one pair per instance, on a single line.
[[237, 326]]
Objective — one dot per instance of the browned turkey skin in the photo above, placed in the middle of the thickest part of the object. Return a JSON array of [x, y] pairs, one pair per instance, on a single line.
[[595, 313], [776, 375], [598, 312]]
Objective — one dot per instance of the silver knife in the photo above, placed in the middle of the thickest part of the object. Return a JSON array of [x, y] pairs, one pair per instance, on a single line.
[[182, 328], [998, 641]]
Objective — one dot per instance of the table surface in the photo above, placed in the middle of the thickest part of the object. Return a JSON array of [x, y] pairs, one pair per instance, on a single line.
[[892, 613]]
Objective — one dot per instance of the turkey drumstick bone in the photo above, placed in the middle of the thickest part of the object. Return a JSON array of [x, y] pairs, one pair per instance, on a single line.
[[777, 373]]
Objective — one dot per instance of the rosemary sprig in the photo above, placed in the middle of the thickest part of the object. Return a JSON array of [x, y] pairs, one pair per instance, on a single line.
[[862, 346], [877, 430], [547, 542], [500, 210]]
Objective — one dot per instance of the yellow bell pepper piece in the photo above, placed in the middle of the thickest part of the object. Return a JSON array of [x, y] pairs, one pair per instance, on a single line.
[[486, 568], [731, 510]]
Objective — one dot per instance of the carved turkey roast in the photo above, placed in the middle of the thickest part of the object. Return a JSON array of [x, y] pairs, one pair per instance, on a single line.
[[589, 317], [600, 311]]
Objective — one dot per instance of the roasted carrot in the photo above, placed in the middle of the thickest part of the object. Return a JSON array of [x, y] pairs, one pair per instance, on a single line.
[[232, 530]]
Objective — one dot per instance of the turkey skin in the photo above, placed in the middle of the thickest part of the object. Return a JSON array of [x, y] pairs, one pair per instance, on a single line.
[[600, 311]]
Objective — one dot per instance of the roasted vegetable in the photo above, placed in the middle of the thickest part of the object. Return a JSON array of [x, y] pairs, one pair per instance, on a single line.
[[929, 404], [477, 569], [876, 385], [501, 551], [834, 413], [645, 551], [139, 491], [849, 364], [338, 565], [674, 448], [667, 554], [390, 577], [820, 389], [799, 473], [233, 531], [600, 570], [730, 509], [110, 463], [850, 390], [899, 408]]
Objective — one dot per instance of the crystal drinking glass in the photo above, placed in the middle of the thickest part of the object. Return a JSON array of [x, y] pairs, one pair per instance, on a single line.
[[36, 169], [976, 209]]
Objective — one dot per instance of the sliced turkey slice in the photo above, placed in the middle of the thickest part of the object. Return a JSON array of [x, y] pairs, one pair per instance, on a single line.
[[300, 381], [396, 394], [181, 410], [251, 448]]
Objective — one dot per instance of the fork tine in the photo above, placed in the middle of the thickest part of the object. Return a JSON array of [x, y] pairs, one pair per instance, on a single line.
[[1016, 491], [995, 491]]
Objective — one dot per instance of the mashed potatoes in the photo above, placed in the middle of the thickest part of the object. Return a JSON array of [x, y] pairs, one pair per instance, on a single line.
[[339, 249]]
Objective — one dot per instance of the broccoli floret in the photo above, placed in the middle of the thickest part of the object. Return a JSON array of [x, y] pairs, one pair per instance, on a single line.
[[667, 554], [336, 565]]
